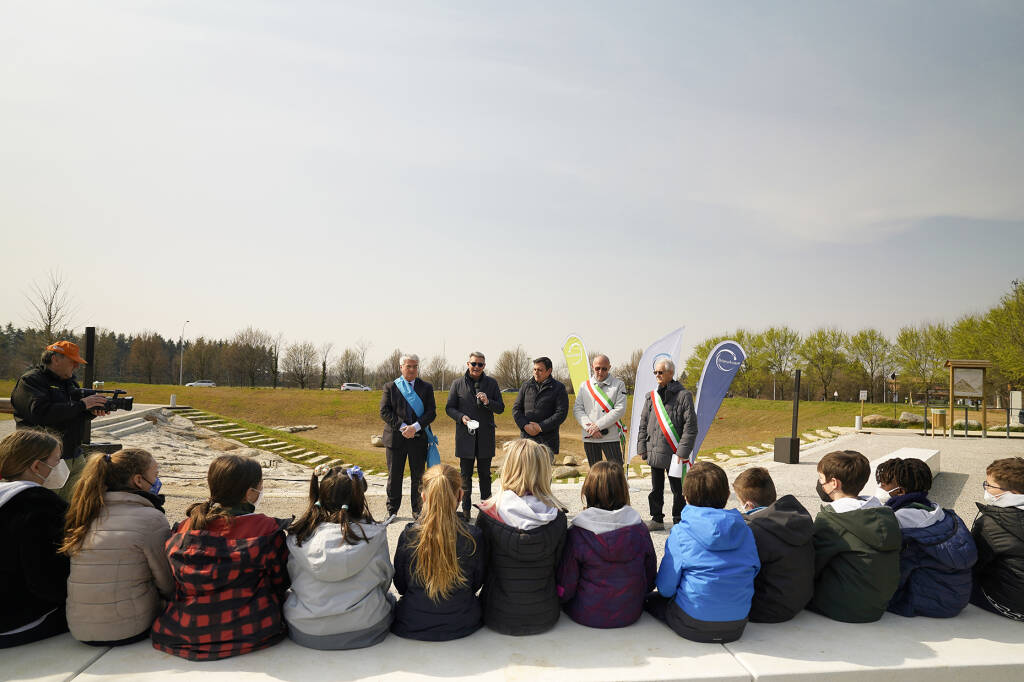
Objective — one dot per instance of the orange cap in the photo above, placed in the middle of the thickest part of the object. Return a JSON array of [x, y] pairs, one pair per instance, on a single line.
[[67, 349]]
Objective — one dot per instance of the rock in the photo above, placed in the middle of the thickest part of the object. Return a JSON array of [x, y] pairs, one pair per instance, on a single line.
[[565, 472], [569, 461], [911, 418], [971, 424], [295, 429], [376, 441], [875, 419]]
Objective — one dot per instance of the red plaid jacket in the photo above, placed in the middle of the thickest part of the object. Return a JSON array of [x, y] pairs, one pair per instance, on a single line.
[[230, 583]]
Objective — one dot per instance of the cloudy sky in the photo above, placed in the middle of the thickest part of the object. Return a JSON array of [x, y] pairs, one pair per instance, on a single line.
[[480, 174]]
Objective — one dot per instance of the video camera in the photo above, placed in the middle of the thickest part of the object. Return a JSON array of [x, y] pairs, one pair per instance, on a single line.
[[113, 403]]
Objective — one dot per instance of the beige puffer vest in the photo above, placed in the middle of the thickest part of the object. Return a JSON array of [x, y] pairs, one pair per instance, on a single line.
[[121, 571]]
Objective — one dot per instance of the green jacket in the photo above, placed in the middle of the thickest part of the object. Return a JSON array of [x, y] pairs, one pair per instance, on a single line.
[[857, 563]]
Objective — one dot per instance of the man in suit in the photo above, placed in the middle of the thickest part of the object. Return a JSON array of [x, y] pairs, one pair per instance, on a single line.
[[404, 434], [541, 406], [474, 397]]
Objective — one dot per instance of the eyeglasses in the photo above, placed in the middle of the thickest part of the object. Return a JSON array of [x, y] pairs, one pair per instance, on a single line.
[[601, 369], [659, 372], [985, 485], [476, 364]]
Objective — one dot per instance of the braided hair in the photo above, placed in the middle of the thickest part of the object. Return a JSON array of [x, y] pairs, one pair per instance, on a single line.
[[912, 475]]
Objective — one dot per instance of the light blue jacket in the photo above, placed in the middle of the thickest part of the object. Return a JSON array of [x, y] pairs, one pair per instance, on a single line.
[[710, 563]]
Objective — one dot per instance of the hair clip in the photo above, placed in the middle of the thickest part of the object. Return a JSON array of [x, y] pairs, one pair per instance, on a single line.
[[317, 504], [354, 472], [106, 457], [321, 469], [345, 507]]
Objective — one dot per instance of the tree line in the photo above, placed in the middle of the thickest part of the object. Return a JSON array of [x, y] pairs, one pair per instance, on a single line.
[[833, 360]]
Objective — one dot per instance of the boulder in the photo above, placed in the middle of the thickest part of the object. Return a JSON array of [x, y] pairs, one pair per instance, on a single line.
[[564, 472], [911, 418], [569, 461], [295, 429], [875, 419], [376, 441], [971, 424]]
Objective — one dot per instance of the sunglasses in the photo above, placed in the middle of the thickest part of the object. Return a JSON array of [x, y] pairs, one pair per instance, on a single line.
[[659, 372], [476, 364]]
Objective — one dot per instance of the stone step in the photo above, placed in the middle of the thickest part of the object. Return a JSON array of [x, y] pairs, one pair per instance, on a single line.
[[825, 434], [233, 432], [809, 436], [127, 428], [290, 451], [768, 446], [319, 459], [756, 450], [741, 453]]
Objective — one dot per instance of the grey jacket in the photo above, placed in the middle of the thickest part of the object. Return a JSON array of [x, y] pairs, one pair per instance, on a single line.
[[651, 441], [121, 571], [586, 410]]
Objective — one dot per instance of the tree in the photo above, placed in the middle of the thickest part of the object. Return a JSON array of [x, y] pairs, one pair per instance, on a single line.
[[325, 355], [822, 352], [362, 345], [1005, 329], [922, 352], [147, 355], [872, 350], [437, 371], [299, 363], [695, 363], [275, 351], [349, 366], [627, 370], [513, 368], [51, 307], [200, 358], [779, 345], [251, 353], [388, 369]]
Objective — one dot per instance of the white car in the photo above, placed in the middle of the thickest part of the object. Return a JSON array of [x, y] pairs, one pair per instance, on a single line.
[[201, 382], [353, 387]]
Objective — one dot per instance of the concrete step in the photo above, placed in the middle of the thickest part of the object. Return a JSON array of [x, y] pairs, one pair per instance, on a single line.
[[319, 459], [768, 446], [121, 416], [825, 434], [126, 428], [290, 451], [809, 436]]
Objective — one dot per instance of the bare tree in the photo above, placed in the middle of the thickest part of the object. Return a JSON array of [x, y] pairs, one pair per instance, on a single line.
[[251, 353], [275, 349], [325, 355], [147, 354], [387, 369], [512, 368], [437, 371], [349, 366], [299, 363], [627, 370], [362, 345], [51, 306]]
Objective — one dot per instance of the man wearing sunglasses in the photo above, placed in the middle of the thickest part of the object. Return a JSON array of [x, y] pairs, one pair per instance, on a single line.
[[668, 426], [599, 408], [473, 401]]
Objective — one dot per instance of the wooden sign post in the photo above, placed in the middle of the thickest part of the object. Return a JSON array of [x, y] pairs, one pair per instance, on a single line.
[[967, 380]]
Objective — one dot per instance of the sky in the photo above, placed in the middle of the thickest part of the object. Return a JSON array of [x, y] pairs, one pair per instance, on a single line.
[[475, 175]]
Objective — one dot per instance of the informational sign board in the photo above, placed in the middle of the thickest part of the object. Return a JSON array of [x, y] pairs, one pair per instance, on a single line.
[[863, 396], [968, 382]]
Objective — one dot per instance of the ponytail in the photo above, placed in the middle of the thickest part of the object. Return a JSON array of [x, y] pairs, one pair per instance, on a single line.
[[337, 498], [102, 473], [434, 538], [229, 478]]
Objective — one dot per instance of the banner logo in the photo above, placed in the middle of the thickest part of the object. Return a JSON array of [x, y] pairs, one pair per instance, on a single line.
[[726, 361], [658, 358]]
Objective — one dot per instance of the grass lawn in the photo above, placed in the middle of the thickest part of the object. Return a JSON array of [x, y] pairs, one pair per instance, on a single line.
[[346, 420]]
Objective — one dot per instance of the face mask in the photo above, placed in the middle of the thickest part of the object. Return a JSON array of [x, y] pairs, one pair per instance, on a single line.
[[821, 493], [155, 488], [882, 495], [58, 476], [259, 498], [990, 498]]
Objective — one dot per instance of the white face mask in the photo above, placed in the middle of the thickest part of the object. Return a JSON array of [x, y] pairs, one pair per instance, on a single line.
[[990, 498], [58, 475], [882, 495]]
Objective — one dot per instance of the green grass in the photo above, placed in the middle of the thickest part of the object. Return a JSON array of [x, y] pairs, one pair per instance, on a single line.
[[346, 420]]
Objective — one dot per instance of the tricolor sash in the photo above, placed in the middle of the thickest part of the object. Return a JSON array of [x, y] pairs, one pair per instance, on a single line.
[[601, 398], [416, 403], [678, 467]]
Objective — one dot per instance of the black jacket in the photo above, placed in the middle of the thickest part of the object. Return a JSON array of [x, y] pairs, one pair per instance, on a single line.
[[462, 401], [519, 595], [651, 443], [33, 576], [547, 404], [419, 617], [41, 398], [999, 535], [395, 409], [784, 533]]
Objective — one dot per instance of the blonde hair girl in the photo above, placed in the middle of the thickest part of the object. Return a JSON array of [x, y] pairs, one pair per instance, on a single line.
[[524, 527], [439, 565], [115, 535]]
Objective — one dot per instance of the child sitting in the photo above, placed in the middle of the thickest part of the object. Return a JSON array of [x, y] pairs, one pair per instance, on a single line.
[[439, 565], [609, 564], [339, 566], [856, 543], [784, 532], [116, 530], [999, 533], [706, 578], [525, 532], [33, 575], [228, 564], [938, 550]]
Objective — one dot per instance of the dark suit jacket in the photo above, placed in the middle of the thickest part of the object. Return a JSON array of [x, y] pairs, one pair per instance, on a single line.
[[462, 401], [547, 404], [395, 409]]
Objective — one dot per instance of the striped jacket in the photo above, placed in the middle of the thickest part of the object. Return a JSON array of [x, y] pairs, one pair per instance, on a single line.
[[230, 582]]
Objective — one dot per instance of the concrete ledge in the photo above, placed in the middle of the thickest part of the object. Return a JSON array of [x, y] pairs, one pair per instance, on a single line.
[[976, 645], [929, 456], [50, 660]]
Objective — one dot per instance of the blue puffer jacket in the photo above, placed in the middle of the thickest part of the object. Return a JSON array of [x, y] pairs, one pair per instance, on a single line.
[[935, 561], [710, 563]]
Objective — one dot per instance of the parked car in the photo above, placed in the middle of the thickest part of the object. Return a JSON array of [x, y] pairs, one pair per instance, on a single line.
[[353, 387], [201, 382], [510, 390]]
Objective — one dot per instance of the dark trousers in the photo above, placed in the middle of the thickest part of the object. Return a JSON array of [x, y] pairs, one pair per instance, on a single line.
[[657, 496], [415, 449], [55, 623], [595, 451], [483, 469], [667, 611]]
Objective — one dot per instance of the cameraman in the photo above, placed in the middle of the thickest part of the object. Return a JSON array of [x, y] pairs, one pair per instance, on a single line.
[[46, 397]]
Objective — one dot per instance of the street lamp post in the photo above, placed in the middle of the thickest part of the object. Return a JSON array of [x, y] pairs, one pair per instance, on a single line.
[[181, 360]]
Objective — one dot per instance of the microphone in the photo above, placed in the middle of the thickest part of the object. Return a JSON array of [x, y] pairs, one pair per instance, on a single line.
[[476, 389]]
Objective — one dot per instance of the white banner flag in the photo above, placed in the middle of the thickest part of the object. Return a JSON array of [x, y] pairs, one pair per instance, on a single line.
[[667, 346]]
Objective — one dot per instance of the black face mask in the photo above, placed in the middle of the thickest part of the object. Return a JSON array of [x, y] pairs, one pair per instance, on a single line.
[[821, 493]]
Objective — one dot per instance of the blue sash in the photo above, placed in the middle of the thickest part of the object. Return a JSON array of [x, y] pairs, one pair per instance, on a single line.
[[413, 398]]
